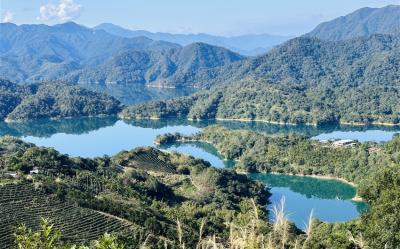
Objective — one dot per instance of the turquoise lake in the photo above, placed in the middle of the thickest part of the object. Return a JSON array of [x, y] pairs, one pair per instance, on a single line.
[[330, 200]]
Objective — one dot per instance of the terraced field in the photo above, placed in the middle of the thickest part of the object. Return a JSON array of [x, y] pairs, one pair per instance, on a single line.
[[147, 159], [22, 204]]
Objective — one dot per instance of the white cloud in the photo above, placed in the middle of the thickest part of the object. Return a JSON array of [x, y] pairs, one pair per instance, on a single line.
[[7, 16], [64, 10]]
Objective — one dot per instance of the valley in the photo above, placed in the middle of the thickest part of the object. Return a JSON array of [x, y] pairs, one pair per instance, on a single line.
[[113, 137]]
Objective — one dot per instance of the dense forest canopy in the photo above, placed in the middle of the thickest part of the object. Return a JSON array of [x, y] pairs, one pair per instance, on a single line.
[[252, 99], [304, 61], [189, 66], [52, 100]]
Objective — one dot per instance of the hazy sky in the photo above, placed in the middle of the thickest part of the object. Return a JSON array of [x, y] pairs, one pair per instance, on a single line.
[[224, 17]]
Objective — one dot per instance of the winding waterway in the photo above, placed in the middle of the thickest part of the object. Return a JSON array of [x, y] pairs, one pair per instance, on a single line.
[[330, 200]]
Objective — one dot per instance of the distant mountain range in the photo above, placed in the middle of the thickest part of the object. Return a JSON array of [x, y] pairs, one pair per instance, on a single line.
[[362, 22], [108, 54], [251, 45], [40, 52], [30, 53]]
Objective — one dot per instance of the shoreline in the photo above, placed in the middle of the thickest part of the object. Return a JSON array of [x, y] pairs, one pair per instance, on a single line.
[[309, 124], [356, 198], [121, 117], [268, 121], [201, 141]]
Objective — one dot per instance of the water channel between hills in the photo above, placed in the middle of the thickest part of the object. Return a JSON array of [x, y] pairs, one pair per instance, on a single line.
[[330, 200]]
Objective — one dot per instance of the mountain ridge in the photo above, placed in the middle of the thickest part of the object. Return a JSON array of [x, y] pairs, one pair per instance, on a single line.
[[41, 52], [250, 45], [362, 22]]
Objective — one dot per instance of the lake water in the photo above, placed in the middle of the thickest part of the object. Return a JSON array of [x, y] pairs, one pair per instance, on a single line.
[[328, 200], [91, 137]]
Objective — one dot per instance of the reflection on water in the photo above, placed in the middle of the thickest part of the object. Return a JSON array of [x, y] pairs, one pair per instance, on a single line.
[[330, 200], [47, 128], [201, 150], [309, 186], [373, 134], [325, 132], [107, 140]]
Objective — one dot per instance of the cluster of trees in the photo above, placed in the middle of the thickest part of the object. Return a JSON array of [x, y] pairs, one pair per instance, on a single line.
[[173, 108], [289, 153], [11, 96], [52, 100]]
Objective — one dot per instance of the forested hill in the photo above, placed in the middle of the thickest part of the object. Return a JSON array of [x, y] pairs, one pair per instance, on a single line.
[[306, 80], [52, 100], [363, 22], [189, 66], [38, 52], [311, 62]]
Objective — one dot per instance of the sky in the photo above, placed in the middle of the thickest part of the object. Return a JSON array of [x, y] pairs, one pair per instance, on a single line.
[[220, 17]]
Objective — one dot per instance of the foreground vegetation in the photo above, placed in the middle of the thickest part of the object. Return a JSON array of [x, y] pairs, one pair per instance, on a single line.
[[47, 237], [137, 195]]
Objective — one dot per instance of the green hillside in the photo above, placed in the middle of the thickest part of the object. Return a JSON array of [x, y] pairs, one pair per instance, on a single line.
[[137, 195], [52, 100], [189, 66], [24, 203]]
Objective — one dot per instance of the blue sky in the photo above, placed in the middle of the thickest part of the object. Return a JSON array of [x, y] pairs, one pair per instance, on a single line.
[[222, 17]]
